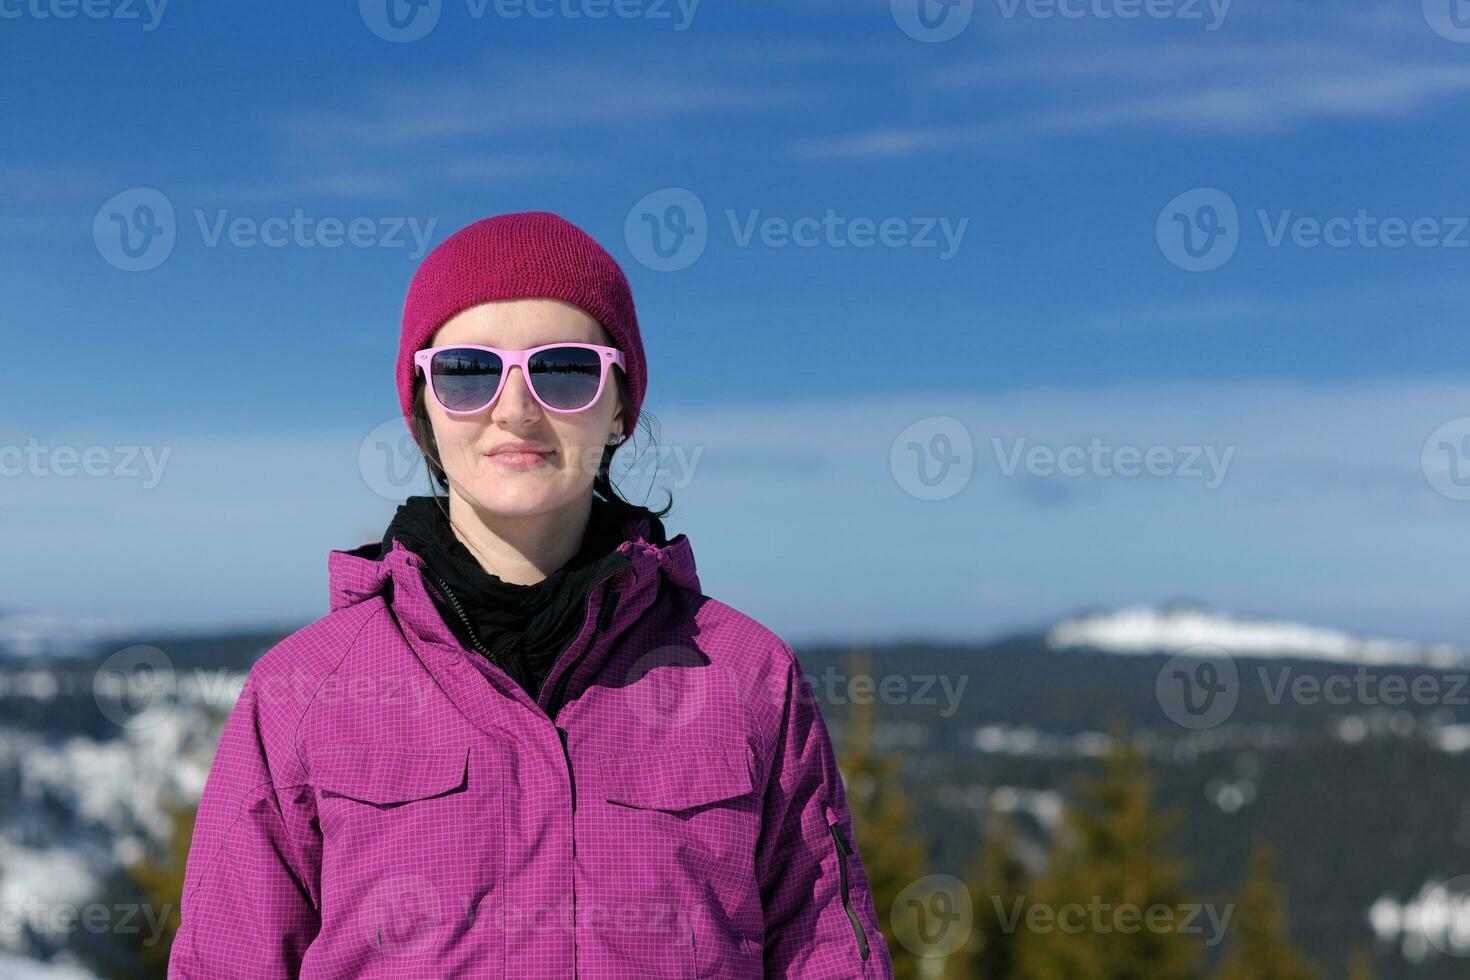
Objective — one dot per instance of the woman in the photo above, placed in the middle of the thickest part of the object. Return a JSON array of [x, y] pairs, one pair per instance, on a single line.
[[524, 743]]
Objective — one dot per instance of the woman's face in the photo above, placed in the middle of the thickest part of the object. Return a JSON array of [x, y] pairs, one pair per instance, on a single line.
[[574, 441]]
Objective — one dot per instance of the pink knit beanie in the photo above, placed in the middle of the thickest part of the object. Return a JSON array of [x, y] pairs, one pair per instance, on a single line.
[[516, 256]]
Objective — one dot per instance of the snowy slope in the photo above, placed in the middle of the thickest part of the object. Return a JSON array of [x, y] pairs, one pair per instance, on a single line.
[[1150, 629]]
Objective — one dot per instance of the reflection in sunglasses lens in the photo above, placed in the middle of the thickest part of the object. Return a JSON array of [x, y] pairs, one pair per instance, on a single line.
[[465, 379], [566, 377]]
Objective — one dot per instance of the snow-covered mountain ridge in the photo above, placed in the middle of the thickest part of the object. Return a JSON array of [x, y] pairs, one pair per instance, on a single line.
[[1142, 629]]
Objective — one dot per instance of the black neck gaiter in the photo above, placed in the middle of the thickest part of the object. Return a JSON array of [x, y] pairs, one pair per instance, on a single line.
[[524, 627]]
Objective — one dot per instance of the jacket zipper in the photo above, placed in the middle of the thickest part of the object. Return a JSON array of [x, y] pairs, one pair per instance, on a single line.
[[463, 618], [604, 620], [843, 850]]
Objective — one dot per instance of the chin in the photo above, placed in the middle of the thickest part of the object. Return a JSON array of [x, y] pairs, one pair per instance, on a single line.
[[516, 494]]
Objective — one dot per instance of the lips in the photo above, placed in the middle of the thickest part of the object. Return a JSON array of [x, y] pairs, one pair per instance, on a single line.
[[518, 457], [528, 448]]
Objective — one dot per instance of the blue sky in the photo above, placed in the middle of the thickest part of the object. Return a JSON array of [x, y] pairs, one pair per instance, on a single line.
[[1057, 153]]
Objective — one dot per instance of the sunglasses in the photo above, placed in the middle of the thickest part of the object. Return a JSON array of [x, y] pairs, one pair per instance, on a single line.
[[564, 377]]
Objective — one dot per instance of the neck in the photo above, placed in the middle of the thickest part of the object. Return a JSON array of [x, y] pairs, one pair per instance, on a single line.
[[520, 549]]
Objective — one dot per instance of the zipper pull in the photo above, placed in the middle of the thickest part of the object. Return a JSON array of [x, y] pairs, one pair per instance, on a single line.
[[571, 777]]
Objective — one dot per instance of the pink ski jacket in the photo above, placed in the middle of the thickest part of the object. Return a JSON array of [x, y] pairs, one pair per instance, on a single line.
[[385, 803]]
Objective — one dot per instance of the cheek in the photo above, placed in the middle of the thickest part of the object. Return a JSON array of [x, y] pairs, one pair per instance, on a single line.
[[582, 429], [455, 437]]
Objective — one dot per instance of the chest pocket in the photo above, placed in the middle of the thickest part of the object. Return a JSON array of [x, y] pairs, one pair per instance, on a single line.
[[691, 817], [389, 777], [412, 841], [677, 781]]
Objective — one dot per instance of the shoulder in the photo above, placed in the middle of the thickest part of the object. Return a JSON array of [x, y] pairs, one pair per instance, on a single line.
[[320, 646], [285, 681], [739, 639], [762, 664]]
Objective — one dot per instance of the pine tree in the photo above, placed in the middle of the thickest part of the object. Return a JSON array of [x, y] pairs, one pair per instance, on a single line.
[[1360, 964], [149, 890], [162, 882], [1260, 949], [1000, 881], [894, 850], [1112, 865]]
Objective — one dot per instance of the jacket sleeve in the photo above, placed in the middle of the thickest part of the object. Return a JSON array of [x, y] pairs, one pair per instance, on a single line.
[[249, 907], [819, 915]]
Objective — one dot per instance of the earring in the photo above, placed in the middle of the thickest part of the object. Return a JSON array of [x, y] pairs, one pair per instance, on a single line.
[[614, 439]]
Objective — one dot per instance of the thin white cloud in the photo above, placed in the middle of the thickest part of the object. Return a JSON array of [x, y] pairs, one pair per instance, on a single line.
[[527, 98], [384, 181], [1206, 85]]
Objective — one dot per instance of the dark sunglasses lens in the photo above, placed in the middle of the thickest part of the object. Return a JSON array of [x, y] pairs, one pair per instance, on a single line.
[[465, 379], [566, 377]]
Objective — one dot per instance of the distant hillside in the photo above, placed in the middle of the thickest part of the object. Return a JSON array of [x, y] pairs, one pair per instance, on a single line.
[[1351, 754]]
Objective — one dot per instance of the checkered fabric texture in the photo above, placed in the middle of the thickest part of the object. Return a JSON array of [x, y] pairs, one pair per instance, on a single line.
[[387, 804]]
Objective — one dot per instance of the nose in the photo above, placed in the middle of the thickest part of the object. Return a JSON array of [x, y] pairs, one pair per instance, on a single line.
[[515, 403]]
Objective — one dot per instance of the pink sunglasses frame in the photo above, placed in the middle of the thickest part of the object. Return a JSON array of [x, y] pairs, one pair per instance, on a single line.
[[519, 358]]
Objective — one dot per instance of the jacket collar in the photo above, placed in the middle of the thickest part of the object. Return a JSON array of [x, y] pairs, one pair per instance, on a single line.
[[360, 574]]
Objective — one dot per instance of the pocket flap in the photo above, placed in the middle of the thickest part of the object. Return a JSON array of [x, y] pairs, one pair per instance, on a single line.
[[676, 780], [375, 774]]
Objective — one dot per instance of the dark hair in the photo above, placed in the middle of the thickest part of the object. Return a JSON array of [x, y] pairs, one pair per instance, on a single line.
[[602, 486]]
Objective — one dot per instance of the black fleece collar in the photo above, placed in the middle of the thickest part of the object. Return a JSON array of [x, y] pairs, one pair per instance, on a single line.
[[524, 627]]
